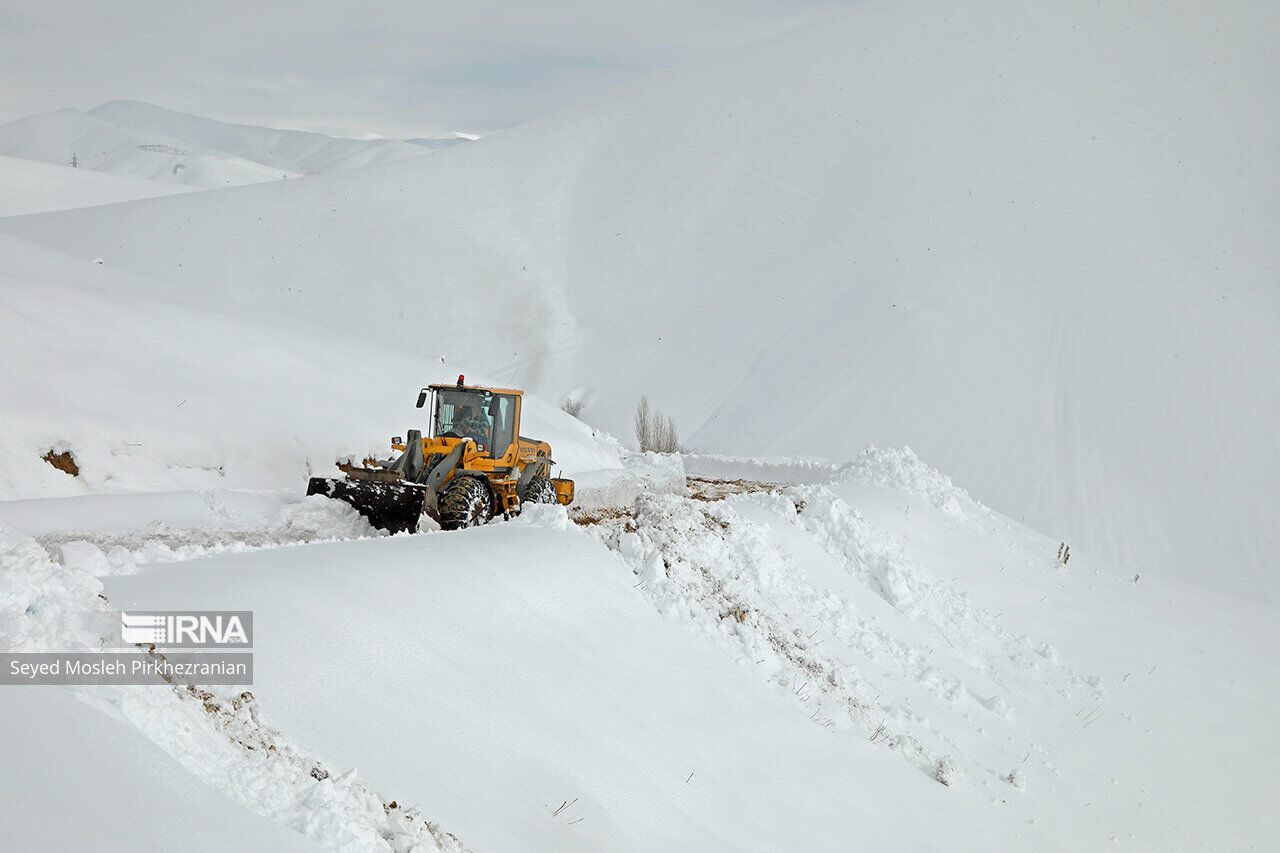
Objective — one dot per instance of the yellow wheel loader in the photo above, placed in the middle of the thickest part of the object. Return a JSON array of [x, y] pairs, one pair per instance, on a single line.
[[472, 465]]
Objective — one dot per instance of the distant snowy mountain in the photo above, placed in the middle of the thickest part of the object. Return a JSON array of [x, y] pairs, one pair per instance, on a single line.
[[285, 150], [137, 140], [29, 186], [438, 142]]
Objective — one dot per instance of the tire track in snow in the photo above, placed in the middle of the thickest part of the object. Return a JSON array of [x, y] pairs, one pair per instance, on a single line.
[[312, 520]]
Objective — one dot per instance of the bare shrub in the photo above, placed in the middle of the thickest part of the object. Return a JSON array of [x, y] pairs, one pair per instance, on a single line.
[[573, 408], [644, 425], [667, 439], [655, 431]]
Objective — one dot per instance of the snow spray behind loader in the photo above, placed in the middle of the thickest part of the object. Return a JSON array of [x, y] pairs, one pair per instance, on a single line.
[[473, 464]]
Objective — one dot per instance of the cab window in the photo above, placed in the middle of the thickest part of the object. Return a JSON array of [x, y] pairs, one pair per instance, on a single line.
[[503, 412]]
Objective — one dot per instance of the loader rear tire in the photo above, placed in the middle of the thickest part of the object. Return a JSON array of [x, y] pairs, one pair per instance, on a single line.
[[540, 491], [465, 502]]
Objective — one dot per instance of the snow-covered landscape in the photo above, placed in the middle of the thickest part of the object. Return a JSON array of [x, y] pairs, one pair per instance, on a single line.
[[967, 315]]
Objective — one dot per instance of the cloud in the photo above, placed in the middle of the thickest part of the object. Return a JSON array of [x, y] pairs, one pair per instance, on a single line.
[[393, 67]]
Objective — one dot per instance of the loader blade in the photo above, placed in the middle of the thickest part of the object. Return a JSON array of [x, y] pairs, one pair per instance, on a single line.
[[393, 507]]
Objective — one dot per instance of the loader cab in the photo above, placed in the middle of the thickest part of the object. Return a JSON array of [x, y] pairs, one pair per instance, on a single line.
[[489, 417]]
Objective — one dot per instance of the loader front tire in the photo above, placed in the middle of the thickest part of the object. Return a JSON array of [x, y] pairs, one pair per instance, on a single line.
[[540, 491], [465, 502]]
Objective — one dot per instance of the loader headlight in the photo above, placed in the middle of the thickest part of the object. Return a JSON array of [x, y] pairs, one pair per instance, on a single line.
[[395, 439]]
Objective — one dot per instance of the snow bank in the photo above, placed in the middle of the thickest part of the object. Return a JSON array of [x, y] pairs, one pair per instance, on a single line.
[[894, 468], [738, 572], [42, 604], [641, 474], [224, 741], [777, 469], [515, 680], [902, 470], [313, 519], [78, 779], [221, 739]]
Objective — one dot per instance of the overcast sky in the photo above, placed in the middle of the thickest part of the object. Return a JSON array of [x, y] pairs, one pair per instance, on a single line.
[[390, 67]]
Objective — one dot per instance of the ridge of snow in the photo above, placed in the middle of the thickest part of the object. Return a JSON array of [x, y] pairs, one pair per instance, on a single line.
[[142, 141], [34, 187]]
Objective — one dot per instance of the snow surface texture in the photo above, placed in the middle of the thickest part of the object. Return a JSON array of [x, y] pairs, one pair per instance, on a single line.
[[142, 141], [316, 519], [1031, 242], [31, 187], [221, 740], [129, 795], [647, 676], [643, 474], [152, 396]]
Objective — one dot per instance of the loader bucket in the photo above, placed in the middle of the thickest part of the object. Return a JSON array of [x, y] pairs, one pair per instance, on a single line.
[[395, 507]]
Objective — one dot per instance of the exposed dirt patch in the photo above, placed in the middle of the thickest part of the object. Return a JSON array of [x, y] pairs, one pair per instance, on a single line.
[[63, 461], [700, 488], [591, 517], [704, 489]]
